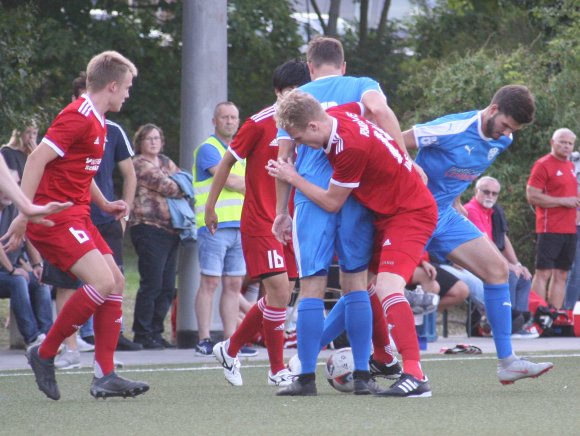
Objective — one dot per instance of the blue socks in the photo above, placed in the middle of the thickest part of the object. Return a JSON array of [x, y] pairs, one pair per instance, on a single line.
[[359, 327], [498, 307], [309, 327], [334, 323]]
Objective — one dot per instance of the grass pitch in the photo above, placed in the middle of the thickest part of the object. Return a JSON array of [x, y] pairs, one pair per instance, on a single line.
[[196, 400]]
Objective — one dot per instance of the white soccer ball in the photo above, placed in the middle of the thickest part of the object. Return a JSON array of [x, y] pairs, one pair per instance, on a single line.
[[294, 365], [339, 369]]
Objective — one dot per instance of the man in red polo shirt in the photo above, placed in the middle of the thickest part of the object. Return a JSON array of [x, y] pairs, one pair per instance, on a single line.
[[553, 190]]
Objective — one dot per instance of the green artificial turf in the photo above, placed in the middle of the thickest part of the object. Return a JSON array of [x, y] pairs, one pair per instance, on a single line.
[[196, 400]]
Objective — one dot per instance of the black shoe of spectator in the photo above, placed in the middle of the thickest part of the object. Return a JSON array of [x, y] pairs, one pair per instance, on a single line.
[[89, 340], [164, 342], [149, 343], [125, 344]]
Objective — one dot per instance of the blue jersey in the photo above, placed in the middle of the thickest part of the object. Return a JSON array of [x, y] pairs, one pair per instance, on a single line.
[[330, 91], [453, 151]]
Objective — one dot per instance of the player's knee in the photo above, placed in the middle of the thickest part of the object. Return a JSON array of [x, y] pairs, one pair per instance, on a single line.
[[496, 272]]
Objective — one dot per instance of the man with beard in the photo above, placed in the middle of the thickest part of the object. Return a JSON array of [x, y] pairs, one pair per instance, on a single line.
[[454, 150]]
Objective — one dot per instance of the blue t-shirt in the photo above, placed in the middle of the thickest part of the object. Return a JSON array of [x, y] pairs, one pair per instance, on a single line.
[[330, 91], [117, 148], [453, 151], [208, 157]]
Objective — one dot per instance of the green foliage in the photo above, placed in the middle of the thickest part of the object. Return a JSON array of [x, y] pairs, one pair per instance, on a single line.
[[19, 80], [261, 36], [466, 81]]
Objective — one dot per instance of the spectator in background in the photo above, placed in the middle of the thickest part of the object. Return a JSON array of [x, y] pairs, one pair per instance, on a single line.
[[220, 255], [490, 218], [573, 282], [29, 299], [153, 236], [21, 144], [553, 190]]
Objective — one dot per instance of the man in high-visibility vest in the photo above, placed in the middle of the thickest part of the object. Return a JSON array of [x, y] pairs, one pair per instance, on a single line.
[[220, 255]]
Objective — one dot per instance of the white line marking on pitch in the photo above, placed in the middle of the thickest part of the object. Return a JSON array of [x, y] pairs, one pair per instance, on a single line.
[[214, 368]]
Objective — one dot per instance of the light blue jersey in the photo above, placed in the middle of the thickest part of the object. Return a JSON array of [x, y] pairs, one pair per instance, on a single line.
[[330, 91], [453, 151]]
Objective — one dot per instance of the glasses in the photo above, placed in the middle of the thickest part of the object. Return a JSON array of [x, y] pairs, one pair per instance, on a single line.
[[488, 192], [153, 138]]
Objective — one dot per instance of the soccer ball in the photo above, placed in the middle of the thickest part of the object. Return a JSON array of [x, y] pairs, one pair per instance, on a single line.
[[339, 368]]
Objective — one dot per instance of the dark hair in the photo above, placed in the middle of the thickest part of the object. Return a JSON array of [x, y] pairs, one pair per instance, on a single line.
[[324, 50], [142, 132], [79, 84], [516, 101], [290, 74]]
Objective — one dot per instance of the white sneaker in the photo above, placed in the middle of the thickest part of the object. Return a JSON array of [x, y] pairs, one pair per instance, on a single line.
[[39, 340], [282, 378], [84, 346], [522, 368], [69, 359], [231, 364]]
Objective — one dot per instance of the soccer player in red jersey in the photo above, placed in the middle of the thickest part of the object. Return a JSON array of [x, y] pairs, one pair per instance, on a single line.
[[368, 164], [62, 168], [266, 258]]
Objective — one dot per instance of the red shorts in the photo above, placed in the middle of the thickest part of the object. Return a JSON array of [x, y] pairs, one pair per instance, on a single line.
[[400, 241], [72, 236], [265, 255]]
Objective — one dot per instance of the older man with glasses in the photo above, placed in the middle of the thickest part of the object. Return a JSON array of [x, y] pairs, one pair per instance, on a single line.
[[489, 217]]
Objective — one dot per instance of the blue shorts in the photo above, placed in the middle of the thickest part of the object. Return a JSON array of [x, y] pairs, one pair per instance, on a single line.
[[318, 235], [221, 254], [453, 230]]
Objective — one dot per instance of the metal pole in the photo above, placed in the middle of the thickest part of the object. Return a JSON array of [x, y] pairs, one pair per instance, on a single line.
[[203, 85]]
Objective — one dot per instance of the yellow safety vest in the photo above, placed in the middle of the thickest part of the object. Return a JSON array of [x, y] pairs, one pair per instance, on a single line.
[[229, 203]]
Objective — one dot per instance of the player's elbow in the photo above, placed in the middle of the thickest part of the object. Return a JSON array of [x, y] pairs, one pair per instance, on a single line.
[[332, 206]]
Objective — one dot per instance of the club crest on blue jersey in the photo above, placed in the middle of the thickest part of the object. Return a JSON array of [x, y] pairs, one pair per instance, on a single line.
[[428, 140], [492, 153]]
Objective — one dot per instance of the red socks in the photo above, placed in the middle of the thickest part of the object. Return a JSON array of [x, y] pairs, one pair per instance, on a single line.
[[400, 315], [381, 344], [73, 315], [107, 324], [274, 320], [251, 324]]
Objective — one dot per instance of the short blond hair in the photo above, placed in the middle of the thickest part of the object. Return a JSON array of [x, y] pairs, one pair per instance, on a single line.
[[106, 67], [297, 109]]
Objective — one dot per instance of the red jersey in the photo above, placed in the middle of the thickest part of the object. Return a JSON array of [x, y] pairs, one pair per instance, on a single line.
[[77, 135], [256, 142], [367, 159], [556, 178]]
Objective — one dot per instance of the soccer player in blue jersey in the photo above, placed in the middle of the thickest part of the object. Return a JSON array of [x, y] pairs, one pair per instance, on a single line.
[[318, 234], [454, 150]]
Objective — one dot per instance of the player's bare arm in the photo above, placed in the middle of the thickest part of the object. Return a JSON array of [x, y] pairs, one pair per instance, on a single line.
[[220, 179], [127, 171], [330, 199], [378, 111], [233, 182], [409, 139], [282, 226], [537, 198]]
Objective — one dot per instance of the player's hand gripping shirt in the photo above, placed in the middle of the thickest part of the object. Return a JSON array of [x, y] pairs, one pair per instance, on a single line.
[[77, 135], [329, 91], [453, 151]]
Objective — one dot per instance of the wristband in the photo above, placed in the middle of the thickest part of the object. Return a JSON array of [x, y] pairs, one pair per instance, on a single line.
[[34, 265]]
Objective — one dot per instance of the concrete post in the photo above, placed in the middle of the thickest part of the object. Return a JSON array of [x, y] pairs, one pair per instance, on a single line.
[[203, 85]]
